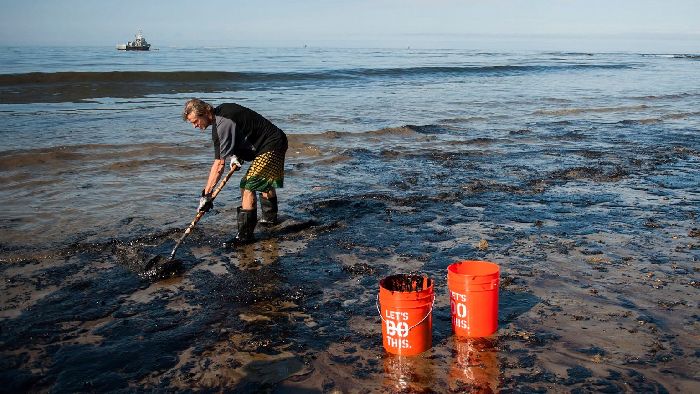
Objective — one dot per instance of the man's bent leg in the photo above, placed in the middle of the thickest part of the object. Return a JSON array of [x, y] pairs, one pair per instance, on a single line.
[[268, 207]]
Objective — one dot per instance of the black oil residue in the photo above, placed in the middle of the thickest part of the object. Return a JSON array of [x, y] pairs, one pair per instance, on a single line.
[[406, 283], [568, 221]]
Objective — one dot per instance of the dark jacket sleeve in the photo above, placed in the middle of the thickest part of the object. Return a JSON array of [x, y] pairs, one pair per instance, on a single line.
[[224, 135]]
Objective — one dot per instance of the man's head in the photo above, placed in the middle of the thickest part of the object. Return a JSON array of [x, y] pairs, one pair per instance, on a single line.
[[199, 113]]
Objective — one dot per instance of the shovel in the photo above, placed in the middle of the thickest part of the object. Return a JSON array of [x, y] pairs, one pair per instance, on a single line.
[[158, 264]]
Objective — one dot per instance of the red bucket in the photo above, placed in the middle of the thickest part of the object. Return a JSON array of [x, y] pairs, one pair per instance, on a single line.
[[405, 304], [473, 287]]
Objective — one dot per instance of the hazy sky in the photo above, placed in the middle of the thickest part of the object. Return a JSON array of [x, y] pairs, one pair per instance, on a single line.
[[625, 25]]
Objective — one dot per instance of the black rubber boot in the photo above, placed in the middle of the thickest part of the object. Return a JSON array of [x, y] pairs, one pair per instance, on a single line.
[[247, 218], [268, 208]]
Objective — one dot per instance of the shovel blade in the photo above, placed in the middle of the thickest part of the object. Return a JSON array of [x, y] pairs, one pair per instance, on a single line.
[[161, 267]]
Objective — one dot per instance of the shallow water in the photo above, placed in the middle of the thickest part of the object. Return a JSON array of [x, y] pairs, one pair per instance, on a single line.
[[581, 184]]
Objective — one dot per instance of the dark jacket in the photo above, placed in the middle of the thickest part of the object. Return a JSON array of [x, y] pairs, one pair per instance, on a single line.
[[245, 133]]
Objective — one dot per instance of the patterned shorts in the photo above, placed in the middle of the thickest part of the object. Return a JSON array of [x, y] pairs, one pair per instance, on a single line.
[[265, 172]]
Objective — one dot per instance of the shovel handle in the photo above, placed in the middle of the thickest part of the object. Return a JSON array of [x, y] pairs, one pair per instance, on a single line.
[[223, 183]]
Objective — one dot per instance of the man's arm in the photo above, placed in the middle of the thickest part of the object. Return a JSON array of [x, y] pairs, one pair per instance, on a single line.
[[217, 168]]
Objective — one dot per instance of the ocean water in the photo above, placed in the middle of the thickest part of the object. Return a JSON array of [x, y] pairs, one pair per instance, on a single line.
[[578, 171], [105, 113], [309, 90]]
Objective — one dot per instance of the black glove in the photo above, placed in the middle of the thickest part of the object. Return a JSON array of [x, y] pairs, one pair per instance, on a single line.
[[205, 202]]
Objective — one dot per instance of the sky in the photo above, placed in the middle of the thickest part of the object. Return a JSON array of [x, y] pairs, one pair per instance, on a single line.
[[660, 26]]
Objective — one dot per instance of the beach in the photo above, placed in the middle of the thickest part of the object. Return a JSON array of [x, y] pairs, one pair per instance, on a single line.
[[575, 172]]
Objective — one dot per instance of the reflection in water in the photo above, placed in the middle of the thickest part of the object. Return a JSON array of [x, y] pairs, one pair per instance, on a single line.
[[475, 365], [413, 374], [256, 255], [474, 369]]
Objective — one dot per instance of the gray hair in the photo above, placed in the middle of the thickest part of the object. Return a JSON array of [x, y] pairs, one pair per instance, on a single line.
[[197, 106]]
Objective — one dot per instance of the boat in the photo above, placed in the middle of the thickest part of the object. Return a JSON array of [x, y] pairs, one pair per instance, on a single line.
[[139, 44]]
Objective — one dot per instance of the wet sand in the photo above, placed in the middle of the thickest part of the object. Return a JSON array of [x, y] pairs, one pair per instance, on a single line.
[[597, 239]]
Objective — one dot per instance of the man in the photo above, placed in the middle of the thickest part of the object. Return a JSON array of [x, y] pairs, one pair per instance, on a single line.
[[241, 134]]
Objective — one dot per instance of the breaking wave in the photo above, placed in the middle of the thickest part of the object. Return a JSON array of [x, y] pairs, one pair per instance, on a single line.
[[76, 86]]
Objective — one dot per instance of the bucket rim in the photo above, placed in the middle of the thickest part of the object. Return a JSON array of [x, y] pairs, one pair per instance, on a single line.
[[425, 289], [479, 269]]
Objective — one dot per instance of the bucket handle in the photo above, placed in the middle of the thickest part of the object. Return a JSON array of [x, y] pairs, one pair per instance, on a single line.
[[432, 304]]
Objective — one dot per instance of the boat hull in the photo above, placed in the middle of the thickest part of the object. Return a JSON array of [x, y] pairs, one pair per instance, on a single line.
[[123, 47]]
